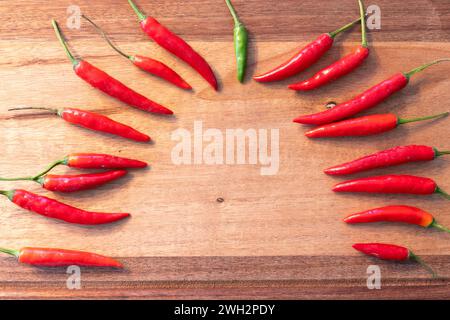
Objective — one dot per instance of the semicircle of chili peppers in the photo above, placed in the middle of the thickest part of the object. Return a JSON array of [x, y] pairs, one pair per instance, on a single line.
[[391, 252], [397, 213], [392, 183], [94, 121], [56, 210], [109, 85], [366, 100], [304, 58], [149, 65], [364, 126], [72, 183], [387, 158], [51, 257], [175, 45], [240, 37], [341, 67]]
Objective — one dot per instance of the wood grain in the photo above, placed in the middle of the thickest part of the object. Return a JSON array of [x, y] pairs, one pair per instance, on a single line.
[[288, 224]]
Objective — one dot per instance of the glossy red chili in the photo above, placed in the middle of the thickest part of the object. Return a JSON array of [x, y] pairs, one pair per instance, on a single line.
[[387, 158], [365, 100], [304, 58], [404, 214], [339, 68], [57, 210], [95, 121], [391, 184], [72, 183], [50, 257], [149, 65], [100, 161], [175, 45], [364, 126], [391, 252], [109, 85]]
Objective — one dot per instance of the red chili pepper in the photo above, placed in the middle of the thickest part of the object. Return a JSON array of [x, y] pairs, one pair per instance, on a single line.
[[175, 45], [365, 100], [303, 59], [364, 126], [49, 257], [387, 158], [391, 184], [405, 214], [57, 210], [152, 66], [95, 121], [391, 252], [109, 85], [99, 161], [339, 68], [72, 183]]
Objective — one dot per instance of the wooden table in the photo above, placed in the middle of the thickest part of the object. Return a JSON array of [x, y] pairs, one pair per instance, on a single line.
[[274, 236]]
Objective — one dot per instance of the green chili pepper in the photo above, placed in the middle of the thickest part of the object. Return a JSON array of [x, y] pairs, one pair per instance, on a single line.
[[240, 43]]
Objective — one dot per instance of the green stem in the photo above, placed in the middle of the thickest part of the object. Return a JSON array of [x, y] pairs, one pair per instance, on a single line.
[[53, 111], [11, 252], [139, 13], [363, 25], [438, 153], [103, 34], [412, 256], [403, 121], [442, 193], [8, 193], [18, 179], [63, 42], [344, 28], [50, 167], [436, 225], [237, 22], [422, 67]]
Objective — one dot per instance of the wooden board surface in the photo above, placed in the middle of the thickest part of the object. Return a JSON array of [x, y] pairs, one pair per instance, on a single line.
[[278, 236]]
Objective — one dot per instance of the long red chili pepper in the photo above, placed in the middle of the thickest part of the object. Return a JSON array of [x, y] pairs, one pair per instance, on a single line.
[[96, 161], [149, 65], [95, 121], [50, 257], [57, 210], [175, 45], [391, 252], [72, 183], [391, 184], [109, 85], [365, 100], [405, 214], [304, 58], [364, 126], [387, 158], [339, 68]]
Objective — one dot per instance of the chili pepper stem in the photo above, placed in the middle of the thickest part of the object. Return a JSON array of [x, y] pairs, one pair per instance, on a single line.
[[436, 225], [138, 12], [63, 42], [440, 153], [108, 40], [237, 22], [413, 257], [422, 67], [442, 193], [344, 28], [53, 111], [17, 179], [50, 167], [11, 252], [403, 121], [363, 25], [8, 193]]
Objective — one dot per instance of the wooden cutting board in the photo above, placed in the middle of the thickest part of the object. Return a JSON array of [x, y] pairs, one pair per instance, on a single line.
[[273, 236]]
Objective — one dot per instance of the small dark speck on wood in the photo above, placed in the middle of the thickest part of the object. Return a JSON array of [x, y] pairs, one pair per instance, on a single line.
[[220, 200]]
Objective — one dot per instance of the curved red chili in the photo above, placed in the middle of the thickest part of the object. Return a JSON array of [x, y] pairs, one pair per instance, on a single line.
[[50, 257], [365, 100], [72, 183], [175, 45], [364, 126], [391, 184], [339, 68], [109, 85], [57, 210], [404, 214], [391, 252], [386, 158], [149, 65], [100, 161], [303, 59]]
